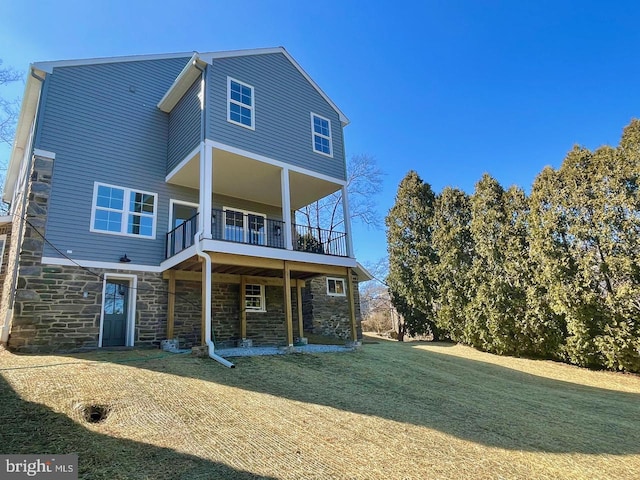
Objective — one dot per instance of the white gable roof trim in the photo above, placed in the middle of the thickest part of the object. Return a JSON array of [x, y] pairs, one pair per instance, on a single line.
[[207, 57], [49, 66], [182, 83]]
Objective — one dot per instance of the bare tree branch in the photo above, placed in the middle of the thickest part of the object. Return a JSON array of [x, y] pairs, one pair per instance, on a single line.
[[364, 183]]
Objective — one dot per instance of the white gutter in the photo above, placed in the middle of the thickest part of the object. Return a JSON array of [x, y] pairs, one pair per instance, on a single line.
[[207, 300], [28, 110]]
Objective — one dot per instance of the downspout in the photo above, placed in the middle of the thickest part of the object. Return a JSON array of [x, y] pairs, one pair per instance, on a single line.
[[198, 243], [207, 305], [4, 334]]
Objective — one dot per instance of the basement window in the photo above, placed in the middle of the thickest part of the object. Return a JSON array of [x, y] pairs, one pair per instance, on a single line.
[[254, 300], [335, 287]]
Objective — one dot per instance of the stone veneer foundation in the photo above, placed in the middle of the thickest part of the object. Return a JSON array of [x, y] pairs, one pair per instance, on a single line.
[[58, 308], [326, 314]]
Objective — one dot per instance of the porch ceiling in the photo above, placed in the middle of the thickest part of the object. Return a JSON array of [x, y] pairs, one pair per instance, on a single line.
[[249, 179], [195, 265]]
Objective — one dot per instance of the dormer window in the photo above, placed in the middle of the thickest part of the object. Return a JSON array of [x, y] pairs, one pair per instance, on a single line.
[[321, 135], [240, 103]]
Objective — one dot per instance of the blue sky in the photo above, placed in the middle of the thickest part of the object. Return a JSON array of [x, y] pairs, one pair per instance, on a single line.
[[451, 89]]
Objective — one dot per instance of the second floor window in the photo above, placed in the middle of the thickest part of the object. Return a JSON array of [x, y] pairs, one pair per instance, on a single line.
[[123, 211], [240, 103], [244, 227], [321, 135]]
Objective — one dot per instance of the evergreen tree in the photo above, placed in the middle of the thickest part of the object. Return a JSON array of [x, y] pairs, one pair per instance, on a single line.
[[409, 229], [492, 317], [454, 246], [550, 263]]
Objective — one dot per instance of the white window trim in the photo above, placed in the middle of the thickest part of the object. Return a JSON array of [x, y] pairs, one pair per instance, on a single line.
[[3, 239], [125, 211], [252, 108], [173, 202], [314, 133], [263, 302], [344, 287], [131, 312], [245, 219]]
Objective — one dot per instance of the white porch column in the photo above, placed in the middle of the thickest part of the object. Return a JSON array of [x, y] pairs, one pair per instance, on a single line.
[[286, 208], [347, 222], [206, 187]]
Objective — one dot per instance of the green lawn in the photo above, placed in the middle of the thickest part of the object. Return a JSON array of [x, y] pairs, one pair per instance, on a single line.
[[392, 410]]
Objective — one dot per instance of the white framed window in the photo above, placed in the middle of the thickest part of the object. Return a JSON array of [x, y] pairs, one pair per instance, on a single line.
[[245, 227], [3, 241], [240, 103], [254, 300], [321, 135], [336, 287], [123, 211]]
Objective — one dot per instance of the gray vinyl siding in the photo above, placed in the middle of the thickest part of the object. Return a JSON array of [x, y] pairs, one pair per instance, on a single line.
[[284, 100], [102, 123], [184, 127]]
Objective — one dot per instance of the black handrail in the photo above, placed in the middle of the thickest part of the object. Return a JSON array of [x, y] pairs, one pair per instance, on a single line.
[[249, 228], [253, 229], [319, 240], [181, 237]]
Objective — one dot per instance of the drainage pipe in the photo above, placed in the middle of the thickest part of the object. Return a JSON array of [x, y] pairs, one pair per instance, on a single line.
[[207, 305], [200, 233]]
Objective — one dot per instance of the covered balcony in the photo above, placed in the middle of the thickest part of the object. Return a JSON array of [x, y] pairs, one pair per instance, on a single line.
[[253, 229], [252, 203]]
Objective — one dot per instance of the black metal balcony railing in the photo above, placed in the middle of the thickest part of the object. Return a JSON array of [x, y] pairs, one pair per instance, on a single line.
[[181, 237], [252, 229], [319, 240]]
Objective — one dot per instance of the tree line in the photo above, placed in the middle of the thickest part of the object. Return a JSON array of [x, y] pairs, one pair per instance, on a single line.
[[554, 274]]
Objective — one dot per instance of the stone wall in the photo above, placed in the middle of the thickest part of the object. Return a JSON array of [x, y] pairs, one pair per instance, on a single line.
[[57, 308], [187, 324], [329, 315], [264, 328], [5, 230], [225, 314]]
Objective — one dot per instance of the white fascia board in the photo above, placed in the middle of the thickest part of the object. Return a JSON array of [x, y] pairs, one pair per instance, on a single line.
[[220, 246], [105, 265], [183, 162], [44, 153], [271, 161], [181, 84], [49, 66], [210, 56], [363, 274], [185, 254], [6, 219], [23, 128]]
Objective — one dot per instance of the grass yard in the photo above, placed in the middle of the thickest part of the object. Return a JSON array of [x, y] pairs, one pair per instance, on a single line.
[[391, 411]]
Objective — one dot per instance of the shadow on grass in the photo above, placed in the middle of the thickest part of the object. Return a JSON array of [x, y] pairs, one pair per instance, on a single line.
[[31, 428], [473, 400]]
